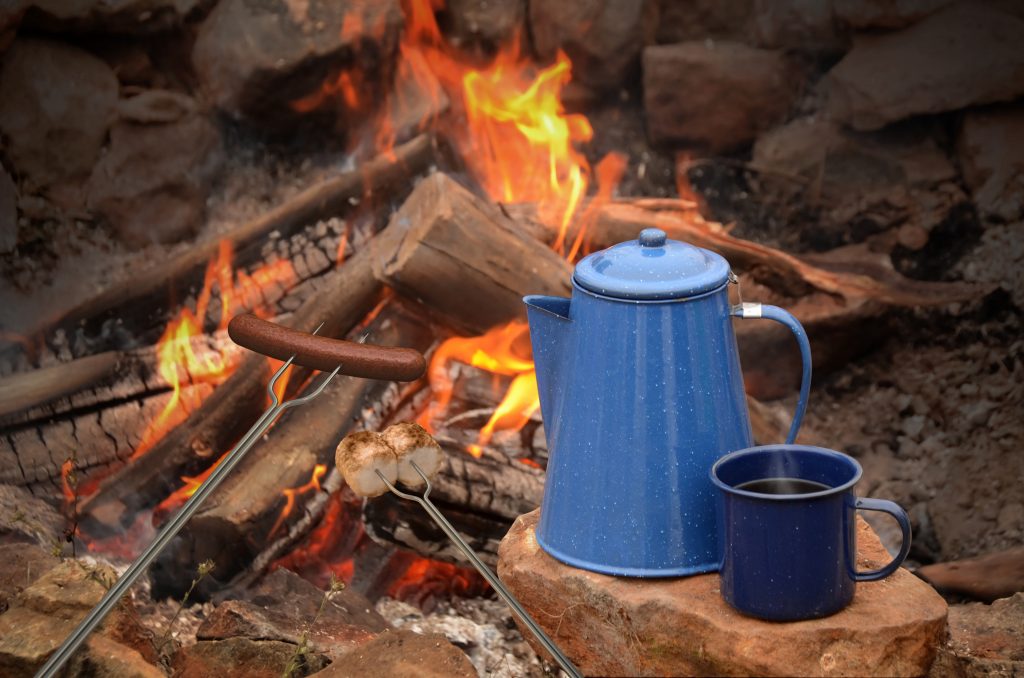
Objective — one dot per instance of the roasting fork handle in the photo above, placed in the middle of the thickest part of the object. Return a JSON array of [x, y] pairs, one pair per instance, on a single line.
[[57, 660], [482, 568]]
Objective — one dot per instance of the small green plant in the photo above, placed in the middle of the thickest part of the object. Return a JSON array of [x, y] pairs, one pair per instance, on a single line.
[[205, 568], [303, 648]]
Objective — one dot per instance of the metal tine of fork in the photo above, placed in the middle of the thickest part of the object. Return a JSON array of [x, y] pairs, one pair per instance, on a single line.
[[481, 567], [170, 529]]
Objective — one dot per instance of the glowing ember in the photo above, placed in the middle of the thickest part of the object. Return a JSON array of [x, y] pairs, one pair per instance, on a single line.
[[328, 550], [424, 578], [289, 495]]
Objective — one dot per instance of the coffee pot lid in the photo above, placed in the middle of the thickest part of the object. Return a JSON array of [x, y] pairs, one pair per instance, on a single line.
[[652, 267]]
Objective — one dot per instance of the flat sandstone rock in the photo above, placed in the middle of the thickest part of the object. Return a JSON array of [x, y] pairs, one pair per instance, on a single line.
[[618, 626]]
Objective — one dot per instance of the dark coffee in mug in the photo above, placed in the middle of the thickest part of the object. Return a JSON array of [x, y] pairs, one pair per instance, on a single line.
[[782, 486]]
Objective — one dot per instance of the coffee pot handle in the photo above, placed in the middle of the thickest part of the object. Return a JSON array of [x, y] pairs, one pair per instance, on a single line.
[[754, 310], [893, 509]]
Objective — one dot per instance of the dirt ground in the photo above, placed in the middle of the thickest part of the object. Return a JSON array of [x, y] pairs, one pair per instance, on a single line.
[[936, 417]]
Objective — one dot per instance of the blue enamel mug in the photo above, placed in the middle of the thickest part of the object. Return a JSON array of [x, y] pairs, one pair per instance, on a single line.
[[788, 531]]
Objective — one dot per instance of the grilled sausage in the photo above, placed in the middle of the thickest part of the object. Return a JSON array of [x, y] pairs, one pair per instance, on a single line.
[[324, 353]]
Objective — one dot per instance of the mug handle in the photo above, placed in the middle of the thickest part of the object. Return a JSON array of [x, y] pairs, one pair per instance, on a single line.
[[893, 509], [754, 310]]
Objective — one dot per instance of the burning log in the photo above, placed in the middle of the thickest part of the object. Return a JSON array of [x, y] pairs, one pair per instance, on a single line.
[[247, 509], [149, 291], [481, 497], [93, 410], [346, 297], [465, 259]]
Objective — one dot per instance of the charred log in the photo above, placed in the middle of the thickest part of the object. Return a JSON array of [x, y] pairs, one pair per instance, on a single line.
[[481, 497]]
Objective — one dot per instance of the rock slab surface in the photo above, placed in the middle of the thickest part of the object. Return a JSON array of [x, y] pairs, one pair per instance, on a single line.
[[620, 626], [715, 96], [991, 149], [963, 55]]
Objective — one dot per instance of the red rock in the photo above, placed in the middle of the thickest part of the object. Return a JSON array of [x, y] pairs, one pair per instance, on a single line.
[[104, 657], [682, 21], [57, 105], [984, 640], [622, 626], [398, 654], [291, 595], [603, 38], [988, 577], [966, 54], [111, 16], [242, 658], [29, 637], [991, 150], [715, 96], [254, 58], [20, 566], [8, 213], [69, 590], [488, 21], [330, 636], [799, 25], [152, 183], [884, 13]]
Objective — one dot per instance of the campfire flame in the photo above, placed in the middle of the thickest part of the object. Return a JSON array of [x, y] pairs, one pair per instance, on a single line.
[[515, 120], [289, 495], [178, 362]]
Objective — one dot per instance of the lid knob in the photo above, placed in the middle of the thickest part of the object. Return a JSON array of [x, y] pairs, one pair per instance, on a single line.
[[652, 237]]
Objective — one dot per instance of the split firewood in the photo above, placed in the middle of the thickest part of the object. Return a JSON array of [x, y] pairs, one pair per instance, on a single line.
[[26, 390], [466, 260], [361, 456], [412, 444]]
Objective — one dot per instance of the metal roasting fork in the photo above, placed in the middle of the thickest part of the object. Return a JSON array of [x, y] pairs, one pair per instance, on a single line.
[[505, 594], [171, 529]]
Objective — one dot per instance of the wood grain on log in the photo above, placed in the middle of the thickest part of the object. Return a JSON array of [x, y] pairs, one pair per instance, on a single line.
[[30, 389], [464, 259], [480, 497], [99, 425]]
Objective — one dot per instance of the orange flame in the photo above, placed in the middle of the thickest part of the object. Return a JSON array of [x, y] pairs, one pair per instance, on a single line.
[[499, 351], [66, 470], [521, 145], [179, 364], [289, 495]]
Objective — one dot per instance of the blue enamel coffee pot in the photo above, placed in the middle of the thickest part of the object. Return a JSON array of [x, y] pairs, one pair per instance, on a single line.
[[641, 392]]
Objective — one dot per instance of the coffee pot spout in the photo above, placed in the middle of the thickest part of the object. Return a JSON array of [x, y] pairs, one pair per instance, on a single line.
[[550, 328]]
